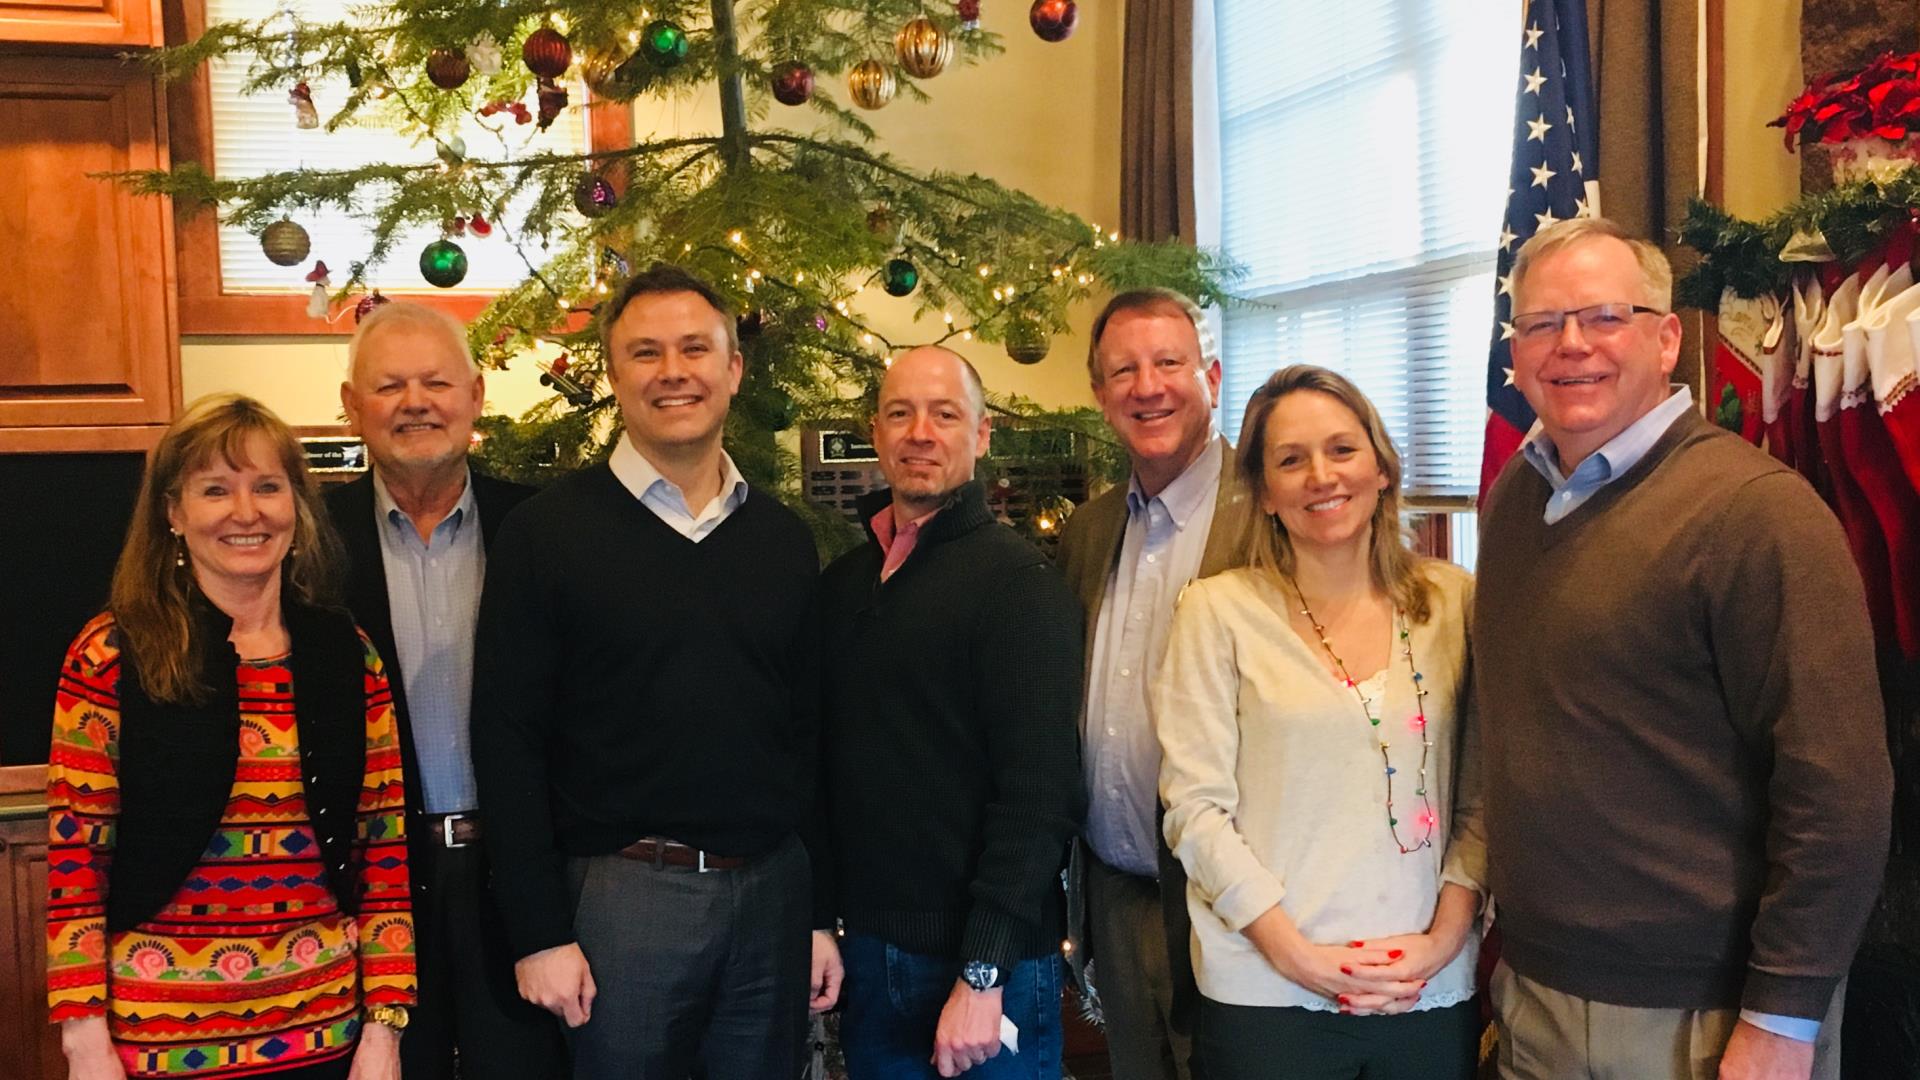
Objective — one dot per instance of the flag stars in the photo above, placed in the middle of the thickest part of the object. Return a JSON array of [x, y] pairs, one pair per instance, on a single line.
[[1507, 237], [1576, 163], [1509, 373], [1541, 174], [1506, 284], [1581, 209], [1506, 331], [1537, 129], [1544, 219], [1534, 81], [1533, 36]]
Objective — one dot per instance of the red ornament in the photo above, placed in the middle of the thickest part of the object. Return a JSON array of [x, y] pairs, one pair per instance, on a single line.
[[792, 83], [546, 53], [448, 68], [969, 13], [1054, 20], [367, 303], [553, 98], [478, 225]]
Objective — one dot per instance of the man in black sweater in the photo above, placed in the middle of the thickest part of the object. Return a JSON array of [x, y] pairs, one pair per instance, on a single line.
[[952, 753], [416, 529], [643, 746]]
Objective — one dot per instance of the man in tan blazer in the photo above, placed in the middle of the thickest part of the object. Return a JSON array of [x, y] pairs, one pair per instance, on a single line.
[[1127, 554]]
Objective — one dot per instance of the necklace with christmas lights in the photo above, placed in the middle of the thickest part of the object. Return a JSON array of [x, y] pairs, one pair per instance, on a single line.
[[1427, 819]]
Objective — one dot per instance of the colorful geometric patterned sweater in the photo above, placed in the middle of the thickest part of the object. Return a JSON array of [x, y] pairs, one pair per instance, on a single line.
[[251, 968]]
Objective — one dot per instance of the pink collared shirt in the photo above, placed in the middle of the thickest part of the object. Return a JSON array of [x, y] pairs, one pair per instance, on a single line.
[[896, 540]]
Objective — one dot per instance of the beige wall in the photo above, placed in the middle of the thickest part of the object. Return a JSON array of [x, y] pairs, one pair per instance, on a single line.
[[1042, 118], [1762, 73]]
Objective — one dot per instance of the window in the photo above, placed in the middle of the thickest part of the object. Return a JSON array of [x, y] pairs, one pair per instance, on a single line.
[[1364, 149], [254, 135]]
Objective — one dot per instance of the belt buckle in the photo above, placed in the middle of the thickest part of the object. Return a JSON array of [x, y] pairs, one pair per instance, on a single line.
[[446, 830]]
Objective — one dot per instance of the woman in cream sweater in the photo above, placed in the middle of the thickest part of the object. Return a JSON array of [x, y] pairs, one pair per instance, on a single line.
[[1317, 766]]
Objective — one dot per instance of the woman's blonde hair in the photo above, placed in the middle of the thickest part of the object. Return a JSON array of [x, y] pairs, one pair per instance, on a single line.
[[1396, 568], [153, 592]]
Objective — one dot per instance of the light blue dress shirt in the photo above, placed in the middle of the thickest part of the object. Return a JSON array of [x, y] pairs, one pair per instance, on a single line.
[[667, 501], [1160, 551], [1602, 467], [433, 589]]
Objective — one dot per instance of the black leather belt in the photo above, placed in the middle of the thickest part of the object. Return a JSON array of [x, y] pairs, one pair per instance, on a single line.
[[454, 830], [661, 852]]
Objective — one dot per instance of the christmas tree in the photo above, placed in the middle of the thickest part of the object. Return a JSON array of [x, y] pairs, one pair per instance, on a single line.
[[790, 209]]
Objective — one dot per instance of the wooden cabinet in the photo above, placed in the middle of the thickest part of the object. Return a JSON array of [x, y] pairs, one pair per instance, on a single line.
[[81, 22], [29, 1046], [87, 309]]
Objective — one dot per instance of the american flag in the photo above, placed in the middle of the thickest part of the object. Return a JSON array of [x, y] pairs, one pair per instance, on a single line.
[[1554, 177]]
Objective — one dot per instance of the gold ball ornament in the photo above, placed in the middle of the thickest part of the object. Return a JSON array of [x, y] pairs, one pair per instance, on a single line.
[[285, 243], [610, 75], [923, 48], [1028, 341], [871, 83]]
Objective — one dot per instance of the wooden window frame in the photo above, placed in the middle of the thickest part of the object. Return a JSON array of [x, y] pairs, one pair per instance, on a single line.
[[206, 308]]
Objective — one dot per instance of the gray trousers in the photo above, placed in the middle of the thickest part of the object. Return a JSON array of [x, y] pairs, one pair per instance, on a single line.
[[1134, 974], [1548, 1035], [694, 970]]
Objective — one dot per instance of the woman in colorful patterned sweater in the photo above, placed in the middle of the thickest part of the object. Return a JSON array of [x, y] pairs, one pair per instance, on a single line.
[[228, 871]]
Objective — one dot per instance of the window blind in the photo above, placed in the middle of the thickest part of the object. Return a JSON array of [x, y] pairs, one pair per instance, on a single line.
[[1364, 149], [255, 135]]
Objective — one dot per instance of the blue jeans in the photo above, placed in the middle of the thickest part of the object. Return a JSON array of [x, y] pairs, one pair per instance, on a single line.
[[893, 1000]]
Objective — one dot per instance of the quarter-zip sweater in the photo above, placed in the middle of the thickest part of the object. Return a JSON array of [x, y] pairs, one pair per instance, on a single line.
[[951, 743]]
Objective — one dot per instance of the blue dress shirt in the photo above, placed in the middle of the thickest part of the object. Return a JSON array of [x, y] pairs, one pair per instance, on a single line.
[[667, 501], [1600, 468], [1160, 551], [433, 589]]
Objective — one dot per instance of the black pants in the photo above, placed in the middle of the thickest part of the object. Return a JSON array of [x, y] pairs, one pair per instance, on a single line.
[[1244, 1042], [697, 973], [470, 1022]]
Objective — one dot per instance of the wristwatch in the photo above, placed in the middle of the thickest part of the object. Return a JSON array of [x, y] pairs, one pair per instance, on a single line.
[[394, 1016], [980, 975]]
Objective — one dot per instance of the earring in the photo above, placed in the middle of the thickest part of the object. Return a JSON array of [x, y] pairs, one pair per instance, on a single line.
[[179, 549]]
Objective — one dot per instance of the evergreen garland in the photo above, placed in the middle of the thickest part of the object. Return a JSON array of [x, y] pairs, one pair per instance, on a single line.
[[1855, 219]]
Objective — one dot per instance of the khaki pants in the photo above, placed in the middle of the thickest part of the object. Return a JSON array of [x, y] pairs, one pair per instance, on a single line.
[[1548, 1035]]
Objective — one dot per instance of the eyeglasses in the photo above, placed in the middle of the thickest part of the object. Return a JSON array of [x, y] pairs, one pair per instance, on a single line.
[[1539, 326]]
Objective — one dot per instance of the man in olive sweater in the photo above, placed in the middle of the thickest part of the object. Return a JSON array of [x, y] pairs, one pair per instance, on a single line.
[[1686, 770], [952, 753]]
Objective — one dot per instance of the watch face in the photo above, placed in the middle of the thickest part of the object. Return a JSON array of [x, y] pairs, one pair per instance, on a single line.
[[981, 976]]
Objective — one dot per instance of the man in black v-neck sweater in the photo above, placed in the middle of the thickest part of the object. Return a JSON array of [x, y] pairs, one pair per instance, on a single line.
[[643, 730], [951, 740]]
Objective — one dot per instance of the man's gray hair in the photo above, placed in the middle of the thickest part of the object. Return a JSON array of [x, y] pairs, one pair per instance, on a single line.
[[406, 313], [1656, 274]]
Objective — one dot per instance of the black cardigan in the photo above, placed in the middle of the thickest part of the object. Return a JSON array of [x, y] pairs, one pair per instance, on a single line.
[[177, 761]]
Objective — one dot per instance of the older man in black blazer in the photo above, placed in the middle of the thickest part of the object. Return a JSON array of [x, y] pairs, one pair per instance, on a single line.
[[416, 529]]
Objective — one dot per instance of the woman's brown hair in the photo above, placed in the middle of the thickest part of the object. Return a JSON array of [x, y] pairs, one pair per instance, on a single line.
[[153, 593], [1396, 568]]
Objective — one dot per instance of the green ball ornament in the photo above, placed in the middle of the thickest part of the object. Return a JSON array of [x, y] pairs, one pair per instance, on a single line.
[[443, 264], [900, 277], [664, 44]]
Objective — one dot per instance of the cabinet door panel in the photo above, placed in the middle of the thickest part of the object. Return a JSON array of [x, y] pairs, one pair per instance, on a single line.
[[81, 22], [86, 295], [29, 1046]]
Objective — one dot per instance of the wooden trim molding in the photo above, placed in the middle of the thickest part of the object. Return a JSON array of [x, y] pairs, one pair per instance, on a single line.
[[205, 307], [119, 439]]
